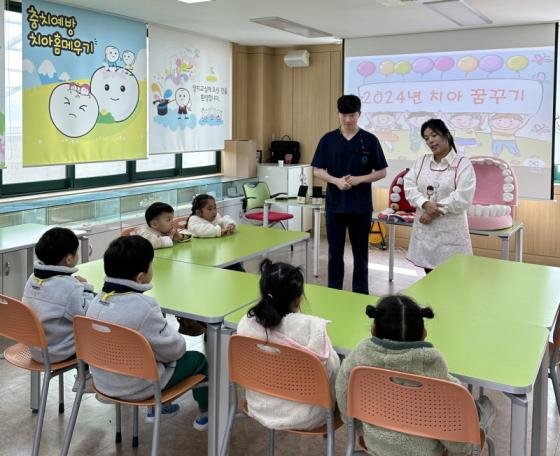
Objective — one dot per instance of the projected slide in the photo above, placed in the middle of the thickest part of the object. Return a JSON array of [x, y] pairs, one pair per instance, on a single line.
[[496, 102]]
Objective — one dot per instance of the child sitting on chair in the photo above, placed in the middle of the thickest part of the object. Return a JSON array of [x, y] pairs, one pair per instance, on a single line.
[[277, 318], [205, 222], [55, 293], [160, 231], [398, 344], [128, 270]]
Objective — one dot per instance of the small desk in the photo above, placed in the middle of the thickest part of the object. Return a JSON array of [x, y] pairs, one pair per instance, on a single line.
[[204, 294], [480, 350], [247, 243], [317, 208], [504, 235]]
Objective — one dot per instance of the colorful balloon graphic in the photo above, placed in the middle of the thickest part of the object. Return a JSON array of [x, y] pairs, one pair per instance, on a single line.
[[444, 63], [386, 68], [517, 62], [423, 65], [468, 64], [491, 63], [366, 69], [403, 67]]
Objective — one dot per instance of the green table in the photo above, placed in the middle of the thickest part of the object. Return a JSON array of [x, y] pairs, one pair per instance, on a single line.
[[472, 286], [202, 293], [480, 350], [248, 242]]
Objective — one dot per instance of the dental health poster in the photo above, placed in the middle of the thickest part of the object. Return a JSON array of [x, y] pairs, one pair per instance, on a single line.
[[189, 92], [496, 102], [84, 86]]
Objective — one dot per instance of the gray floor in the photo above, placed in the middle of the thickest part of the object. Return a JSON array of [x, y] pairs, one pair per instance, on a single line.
[[94, 434]]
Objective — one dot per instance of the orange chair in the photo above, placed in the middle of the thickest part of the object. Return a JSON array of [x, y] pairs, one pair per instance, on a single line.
[[129, 231], [420, 406], [124, 351], [180, 223], [19, 322], [283, 372]]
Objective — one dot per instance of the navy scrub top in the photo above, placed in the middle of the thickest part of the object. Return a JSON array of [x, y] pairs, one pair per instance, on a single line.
[[357, 157]]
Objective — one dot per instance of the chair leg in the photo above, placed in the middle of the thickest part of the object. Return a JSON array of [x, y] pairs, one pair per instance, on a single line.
[[155, 435], [61, 393], [271, 435], [231, 418], [330, 434], [118, 433], [491, 447], [35, 392], [134, 426], [42, 408], [555, 386], [350, 438], [74, 415]]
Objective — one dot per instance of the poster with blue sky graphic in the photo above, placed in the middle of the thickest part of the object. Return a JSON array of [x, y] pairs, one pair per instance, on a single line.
[[84, 86]]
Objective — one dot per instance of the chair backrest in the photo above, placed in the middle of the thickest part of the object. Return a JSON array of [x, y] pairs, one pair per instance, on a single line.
[[413, 404], [114, 348], [19, 322], [129, 231], [279, 371], [255, 195], [180, 223]]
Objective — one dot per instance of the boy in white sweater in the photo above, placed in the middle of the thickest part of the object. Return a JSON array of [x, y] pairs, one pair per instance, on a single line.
[[160, 231], [128, 270], [55, 294]]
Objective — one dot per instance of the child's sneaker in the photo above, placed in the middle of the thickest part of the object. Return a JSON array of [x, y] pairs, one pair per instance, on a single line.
[[201, 422], [190, 327], [89, 384], [167, 410]]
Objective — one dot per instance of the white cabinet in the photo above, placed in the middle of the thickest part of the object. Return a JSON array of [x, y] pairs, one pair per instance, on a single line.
[[14, 273], [231, 207], [287, 179]]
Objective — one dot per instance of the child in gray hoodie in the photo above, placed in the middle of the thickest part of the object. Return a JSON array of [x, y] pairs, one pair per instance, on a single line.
[[128, 270], [398, 344], [55, 293]]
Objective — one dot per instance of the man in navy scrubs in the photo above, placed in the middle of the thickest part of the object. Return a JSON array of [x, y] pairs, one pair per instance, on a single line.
[[349, 159]]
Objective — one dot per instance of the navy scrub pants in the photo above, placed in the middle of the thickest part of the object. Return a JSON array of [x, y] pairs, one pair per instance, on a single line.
[[358, 226]]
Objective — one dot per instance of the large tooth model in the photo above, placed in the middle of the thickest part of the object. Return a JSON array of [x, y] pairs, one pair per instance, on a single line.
[[495, 197]]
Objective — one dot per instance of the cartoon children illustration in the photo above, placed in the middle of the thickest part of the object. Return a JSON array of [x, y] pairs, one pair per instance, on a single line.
[[128, 57], [415, 121], [503, 128], [382, 124], [111, 56], [183, 100], [465, 126]]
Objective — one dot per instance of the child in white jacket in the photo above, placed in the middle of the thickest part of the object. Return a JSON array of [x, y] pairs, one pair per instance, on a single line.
[[159, 228], [205, 222], [276, 318]]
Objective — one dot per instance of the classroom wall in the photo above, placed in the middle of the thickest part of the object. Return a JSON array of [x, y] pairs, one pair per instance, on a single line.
[[271, 99]]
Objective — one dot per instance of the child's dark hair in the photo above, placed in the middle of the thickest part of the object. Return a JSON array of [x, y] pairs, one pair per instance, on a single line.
[[128, 256], [280, 285], [55, 244], [156, 209], [399, 318], [438, 126], [349, 104], [200, 201]]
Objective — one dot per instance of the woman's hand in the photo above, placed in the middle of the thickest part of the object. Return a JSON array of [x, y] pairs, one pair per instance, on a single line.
[[432, 209]]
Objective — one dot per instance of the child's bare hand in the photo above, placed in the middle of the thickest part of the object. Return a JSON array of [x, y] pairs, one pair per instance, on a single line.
[[231, 228], [80, 278]]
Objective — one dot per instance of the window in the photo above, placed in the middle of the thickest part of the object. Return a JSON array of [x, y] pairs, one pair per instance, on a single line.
[[17, 180]]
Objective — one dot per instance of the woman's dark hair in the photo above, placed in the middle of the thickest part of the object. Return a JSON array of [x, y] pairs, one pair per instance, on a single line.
[[200, 201], [280, 285], [399, 318], [438, 126]]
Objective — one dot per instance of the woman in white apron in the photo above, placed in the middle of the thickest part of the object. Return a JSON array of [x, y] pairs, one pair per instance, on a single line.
[[441, 186]]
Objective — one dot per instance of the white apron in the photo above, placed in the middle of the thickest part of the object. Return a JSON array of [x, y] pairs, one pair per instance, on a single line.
[[446, 235]]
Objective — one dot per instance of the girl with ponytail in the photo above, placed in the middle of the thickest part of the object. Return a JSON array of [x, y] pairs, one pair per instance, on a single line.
[[397, 343], [277, 318]]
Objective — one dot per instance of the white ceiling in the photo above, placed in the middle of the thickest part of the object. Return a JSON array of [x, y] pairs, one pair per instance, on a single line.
[[229, 19]]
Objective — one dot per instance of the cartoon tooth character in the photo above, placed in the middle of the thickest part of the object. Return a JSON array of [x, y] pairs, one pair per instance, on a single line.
[[116, 90], [111, 56], [183, 100], [129, 58], [73, 112]]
